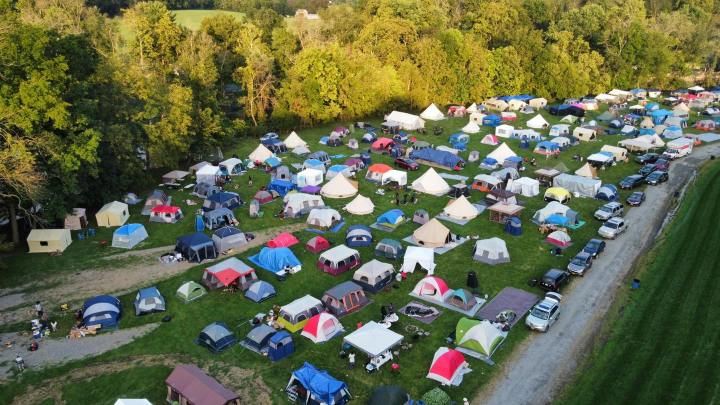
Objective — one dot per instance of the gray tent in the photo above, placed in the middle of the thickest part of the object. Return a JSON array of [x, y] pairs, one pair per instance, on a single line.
[[157, 197], [228, 237], [149, 300], [389, 248], [561, 167], [491, 251], [607, 116], [218, 218], [282, 173], [129, 235], [421, 216], [474, 156], [205, 190], [344, 298], [578, 184]]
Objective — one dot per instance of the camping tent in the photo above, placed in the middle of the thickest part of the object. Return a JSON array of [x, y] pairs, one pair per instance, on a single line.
[[338, 259], [577, 184], [414, 256], [448, 367], [547, 148], [190, 291], [491, 251], [525, 186], [558, 194], [216, 337], [620, 154], [504, 131], [260, 291], [345, 298], [490, 139], [317, 244], [260, 154], [389, 248], [157, 197], [374, 275], [360, 205], [585, 134], [48, 240], [432, 234], [501, 153], [358, 235], [285, 239], [430, 183], [442, 156], [149, 300], [479, 336], [391, 218], [196, 247], [339, 187], [607, 192], [103, 310], [231, 271], [309, 177], [298, 204], [188, 384], [207, 174], [294, 141], [553, 208], [537, 122], [231, 167], [319, 386], [223, 199], [294, 316], [432, 113], [228, 237], [406, 121], [471, 128], [323, 218], [76, 220], [322, 327], [538, 102], [112, 214], [127, 236], [397, 177], [277, 260], [166, 214], [460, 209], [375, 171], [373, 339], [432, 288], [194, 168], [587, 171], [559, 238]]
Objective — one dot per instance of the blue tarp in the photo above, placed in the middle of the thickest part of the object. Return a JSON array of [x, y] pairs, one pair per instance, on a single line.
[[658, 116], [320, 384], [103, 310], [646, 131], [491, 120], [439, 157], [127, 230], [556, 219], [547, 145], [652, 106], [273, 162], [390, 217], [275, 259], [281, 186], [521, 97]]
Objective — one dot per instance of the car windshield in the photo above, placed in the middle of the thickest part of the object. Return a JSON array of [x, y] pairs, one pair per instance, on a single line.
[[611, 225], [578, 262], [540, 313], [605, 208], [592, 246]]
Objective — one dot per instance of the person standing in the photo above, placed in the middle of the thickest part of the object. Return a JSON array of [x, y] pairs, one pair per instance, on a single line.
[[351, 359], [39, 309]]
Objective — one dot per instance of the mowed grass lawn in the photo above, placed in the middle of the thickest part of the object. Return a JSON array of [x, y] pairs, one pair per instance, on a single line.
[[664, 345], [530, 259], [190, 19]]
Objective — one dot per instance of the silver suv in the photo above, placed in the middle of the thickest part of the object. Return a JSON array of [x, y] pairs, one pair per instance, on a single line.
[[544, 313], [609, 210], [612, 228]]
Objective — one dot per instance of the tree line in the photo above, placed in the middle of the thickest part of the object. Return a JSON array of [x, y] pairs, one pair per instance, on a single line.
[[90, 103]]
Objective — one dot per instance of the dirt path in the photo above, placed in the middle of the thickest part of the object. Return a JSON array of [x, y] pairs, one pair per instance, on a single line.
[[245, 383], [56, 351], [538, 369], [80, 285]]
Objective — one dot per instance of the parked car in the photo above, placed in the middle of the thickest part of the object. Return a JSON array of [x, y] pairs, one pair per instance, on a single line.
[[609, 210], [612, 228], [544, 313], [647, 158], [646, 170], [656, 178], [662, 164], [594, 247], [407, 164], [631, 181], [636, 198], [580, 263], [554, 279]]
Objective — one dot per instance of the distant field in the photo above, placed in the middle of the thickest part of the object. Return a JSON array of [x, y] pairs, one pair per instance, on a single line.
[[190, 19], [663, 347]]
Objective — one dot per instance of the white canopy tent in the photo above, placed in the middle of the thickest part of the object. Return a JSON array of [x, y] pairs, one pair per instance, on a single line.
[[525, 186], [373, 339], [406, 121], [414, 256]]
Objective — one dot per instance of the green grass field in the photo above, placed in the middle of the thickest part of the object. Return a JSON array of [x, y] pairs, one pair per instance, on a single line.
[[190, 19], [663, 346], [530, 259]]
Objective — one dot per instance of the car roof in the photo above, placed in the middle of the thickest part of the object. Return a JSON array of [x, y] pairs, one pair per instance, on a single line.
[[583, 254], [657, 173], [553, 273], [615, 219], [612, 204]]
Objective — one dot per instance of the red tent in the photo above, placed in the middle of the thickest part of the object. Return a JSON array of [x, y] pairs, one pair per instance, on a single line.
[[165, 209], [448, 366], [317, 244], [382, 144], [285, 239], [263, 197]]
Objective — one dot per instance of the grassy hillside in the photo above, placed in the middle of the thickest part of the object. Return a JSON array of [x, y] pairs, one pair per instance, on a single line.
[[190, 19], [664, 346]]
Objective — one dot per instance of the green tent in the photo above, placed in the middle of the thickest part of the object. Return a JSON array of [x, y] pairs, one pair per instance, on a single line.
[[190, 291], [482, 337]]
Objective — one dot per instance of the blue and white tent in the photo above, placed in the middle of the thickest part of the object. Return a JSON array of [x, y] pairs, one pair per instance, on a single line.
[[103, 310], [320, 387], [260, 291], [196, 247], [276, 260], [149, 300], [127, 236], [607, 192], [392, 217], [216, 337], [358, 236]]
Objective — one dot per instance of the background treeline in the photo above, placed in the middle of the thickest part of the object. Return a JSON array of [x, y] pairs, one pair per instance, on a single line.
[[86, 111]]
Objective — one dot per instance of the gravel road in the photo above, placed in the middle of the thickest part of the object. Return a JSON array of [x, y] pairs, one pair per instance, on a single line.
[[56, 351], [537, 371]]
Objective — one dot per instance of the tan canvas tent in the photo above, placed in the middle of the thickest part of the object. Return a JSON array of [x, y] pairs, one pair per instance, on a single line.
[[587, 171], [460, 209], [339, 187], [585, 134], [431, 183], [294, 141], [433, 234], [538, 102], [112, 214], [48, 240], [501, 153], [537, 122], [432, 113], [260, 154], [361, 205], [76, 220]]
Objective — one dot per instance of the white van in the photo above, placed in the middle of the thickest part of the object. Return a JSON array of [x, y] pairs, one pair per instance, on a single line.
[[678, 148]]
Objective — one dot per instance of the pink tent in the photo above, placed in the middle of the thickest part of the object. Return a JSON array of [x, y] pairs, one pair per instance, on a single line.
[[432, 288], [285, 239], [322, 327], [448, 367], [559, 239]]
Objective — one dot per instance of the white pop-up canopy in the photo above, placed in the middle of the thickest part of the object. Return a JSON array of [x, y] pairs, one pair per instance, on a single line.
[[373, 339]]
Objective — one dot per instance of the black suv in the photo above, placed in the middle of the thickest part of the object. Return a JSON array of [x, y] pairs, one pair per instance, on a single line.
[[554, 279]]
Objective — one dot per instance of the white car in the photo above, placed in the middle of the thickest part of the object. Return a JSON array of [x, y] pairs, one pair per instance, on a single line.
[[609, 210], [612, 228], [544, 313]]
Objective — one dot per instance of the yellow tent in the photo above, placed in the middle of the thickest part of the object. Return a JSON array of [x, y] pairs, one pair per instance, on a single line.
[[112, 214], [558, 194], [48, 240]]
